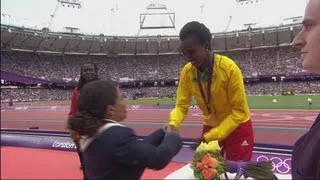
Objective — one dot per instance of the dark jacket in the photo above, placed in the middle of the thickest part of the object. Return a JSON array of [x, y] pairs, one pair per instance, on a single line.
[[306, 154], [118, 154]]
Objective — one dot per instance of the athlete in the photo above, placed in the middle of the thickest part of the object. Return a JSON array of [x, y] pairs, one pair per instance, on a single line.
[[216, 83]]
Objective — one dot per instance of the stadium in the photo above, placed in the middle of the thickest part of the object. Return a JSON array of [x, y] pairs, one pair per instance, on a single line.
[[40, 66]]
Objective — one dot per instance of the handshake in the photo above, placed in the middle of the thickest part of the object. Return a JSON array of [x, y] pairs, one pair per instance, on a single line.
[[170, 129]]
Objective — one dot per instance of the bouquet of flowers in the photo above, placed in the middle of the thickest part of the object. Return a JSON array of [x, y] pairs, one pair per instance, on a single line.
[[208, 163]]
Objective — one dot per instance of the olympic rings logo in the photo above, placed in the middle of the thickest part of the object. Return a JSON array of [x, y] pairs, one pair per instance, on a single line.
[[135, 107], [194, 107], [21, 108], [280, 165]]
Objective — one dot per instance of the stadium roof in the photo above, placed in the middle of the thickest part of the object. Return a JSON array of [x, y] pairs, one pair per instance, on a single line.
[[121, 17], [17, 38]]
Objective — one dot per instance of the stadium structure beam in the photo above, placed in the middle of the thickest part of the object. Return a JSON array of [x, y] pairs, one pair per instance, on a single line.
[[65, 46], [135, 46], [229, 22], [89, 49], [53, 42], [37, 47], [114, 45], [24, 41], [11, 39], [64, 3], [249, 27], [77, 46]]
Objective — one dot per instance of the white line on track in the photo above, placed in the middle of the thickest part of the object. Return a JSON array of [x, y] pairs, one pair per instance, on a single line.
[[262, 126]]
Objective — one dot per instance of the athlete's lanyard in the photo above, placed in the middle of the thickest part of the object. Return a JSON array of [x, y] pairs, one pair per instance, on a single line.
[[209, 79]]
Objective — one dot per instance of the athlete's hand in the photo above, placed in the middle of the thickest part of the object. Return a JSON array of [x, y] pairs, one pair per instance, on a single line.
[[170, 129], [198, 141]]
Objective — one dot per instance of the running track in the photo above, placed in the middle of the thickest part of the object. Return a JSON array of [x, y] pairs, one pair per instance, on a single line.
[[276, 126]]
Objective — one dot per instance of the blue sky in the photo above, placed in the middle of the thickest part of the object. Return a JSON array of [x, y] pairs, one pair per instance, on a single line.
[[96, 17]]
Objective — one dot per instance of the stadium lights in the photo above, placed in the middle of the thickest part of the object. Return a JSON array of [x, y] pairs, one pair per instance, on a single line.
[[5, 15], [157, 16], [245, 2], [249, 25], [70, 3]]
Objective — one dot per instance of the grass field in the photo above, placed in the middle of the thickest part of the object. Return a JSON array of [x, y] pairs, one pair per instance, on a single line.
[[256, 102]]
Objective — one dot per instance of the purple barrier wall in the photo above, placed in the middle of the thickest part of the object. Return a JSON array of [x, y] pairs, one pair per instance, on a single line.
[[35, 107], [163, 106], [281, 161], [41, 142], [130, 107], [21, 79]]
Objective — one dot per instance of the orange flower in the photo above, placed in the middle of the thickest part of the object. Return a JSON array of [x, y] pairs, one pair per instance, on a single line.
[[214, 172], [209, 161], [199, 165], [207, 173]]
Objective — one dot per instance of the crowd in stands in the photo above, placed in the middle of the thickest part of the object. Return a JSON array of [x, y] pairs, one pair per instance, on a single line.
[[35, 94], [266, 61], [279, 87], [55, 67], [145, 92]]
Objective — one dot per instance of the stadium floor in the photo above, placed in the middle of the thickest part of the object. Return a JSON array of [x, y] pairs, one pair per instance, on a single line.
[[270, 126], [31, 163]]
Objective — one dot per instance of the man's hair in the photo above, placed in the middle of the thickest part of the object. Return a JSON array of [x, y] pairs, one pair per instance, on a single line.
[[82, 81], [197, 30], [94, 99]]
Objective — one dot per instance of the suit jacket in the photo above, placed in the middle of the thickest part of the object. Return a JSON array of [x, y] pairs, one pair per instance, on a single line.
[[117, 153], [306, 154]]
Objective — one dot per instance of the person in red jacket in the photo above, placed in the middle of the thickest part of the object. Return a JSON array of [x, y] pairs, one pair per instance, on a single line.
[[89, 72]]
